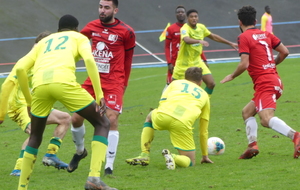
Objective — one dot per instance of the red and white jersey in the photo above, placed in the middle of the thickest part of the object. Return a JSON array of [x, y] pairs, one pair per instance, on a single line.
[[172, 42], [258, 45], [109, 45]]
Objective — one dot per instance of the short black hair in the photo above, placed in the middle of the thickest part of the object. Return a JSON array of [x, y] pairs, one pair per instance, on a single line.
[[68, 22], [193, 74], [267, 8], [247, 15], [191, 11], [115, 2], [179, 7]]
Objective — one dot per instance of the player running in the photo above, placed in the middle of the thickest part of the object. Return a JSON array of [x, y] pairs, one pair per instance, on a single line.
[[13, 103], [255, 49]]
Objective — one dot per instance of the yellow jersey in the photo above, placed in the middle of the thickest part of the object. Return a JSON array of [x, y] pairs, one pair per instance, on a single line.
[[185, 101], [53, 60], [189, 54]]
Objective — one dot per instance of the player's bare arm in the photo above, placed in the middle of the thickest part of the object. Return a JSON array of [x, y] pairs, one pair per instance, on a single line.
[[283, 52], [189, 40], [243, 65], [218, 38]]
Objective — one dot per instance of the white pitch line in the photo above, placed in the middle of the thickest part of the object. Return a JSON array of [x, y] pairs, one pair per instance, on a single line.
[[163, 61]]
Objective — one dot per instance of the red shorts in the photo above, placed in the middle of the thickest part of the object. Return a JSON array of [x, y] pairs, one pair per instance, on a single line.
[[113, 95], [267, 92]]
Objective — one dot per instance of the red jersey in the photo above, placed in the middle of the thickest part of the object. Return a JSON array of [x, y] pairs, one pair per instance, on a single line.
[[110, 43], [172, 42], [258, 44]]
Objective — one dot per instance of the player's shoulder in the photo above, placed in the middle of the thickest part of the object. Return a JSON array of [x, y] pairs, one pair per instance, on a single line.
[[124, 25], [200, 25]]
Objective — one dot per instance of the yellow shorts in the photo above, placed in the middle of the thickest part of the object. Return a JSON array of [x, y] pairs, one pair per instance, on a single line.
[[179, 73], [20, 116], [181, 135], [74, 98]]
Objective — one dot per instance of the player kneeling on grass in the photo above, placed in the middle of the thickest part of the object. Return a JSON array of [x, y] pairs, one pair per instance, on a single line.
[[181, 104], [13, 103]]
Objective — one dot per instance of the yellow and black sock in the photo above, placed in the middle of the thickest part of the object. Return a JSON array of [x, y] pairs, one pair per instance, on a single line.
[[29, 159], [54, 145], [99, 147], [147, 137]]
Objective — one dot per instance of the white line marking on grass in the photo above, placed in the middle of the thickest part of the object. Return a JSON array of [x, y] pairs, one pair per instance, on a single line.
[[145, 49], [146, 77]]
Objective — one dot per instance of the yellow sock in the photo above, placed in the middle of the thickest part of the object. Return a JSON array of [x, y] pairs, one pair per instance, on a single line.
[[99, 147], [29, 159], [147, 137], [19, 161], [182, 161], [18, 164], [54, 145]]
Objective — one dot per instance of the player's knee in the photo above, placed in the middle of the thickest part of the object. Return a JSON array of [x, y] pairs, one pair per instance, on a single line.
[[76, 120], [264, 122], [65, 118], [105, 123]]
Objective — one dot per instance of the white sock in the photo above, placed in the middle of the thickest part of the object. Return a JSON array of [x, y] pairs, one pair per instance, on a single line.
[[251, 129], [78, 138], [113, 140], [281, 127]]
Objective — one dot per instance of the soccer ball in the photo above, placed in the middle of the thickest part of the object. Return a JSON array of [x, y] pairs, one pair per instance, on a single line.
[[215, 145]]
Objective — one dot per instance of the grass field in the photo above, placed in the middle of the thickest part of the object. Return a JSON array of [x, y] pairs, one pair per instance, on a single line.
[[273, 168]]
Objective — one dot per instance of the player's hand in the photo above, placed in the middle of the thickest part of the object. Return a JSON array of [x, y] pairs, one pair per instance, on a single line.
[[235, 46], [227, 79], [205, 159], [1, 121], [102, 107], [170, 67], [204, 43]]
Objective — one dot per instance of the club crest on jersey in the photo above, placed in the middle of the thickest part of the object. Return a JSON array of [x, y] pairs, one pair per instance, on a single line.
[[183, 32], [113, 38]]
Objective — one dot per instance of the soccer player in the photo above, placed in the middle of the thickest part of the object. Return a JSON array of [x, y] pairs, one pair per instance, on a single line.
[[13, 103], [192, 34], [53, 61], [255, 49], [113, 42], [181, 104], [266, 20], [173, 41]]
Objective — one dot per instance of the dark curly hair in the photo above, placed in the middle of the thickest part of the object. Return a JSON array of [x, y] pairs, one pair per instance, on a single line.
[[247, 15]]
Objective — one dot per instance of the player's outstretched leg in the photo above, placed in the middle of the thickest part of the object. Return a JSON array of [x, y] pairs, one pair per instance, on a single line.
[[94, 183], [143, 159], [73, 165], [170, 162], [251, 151]]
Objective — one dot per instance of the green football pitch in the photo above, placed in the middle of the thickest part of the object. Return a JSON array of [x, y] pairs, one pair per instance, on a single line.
[[273, 168]]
